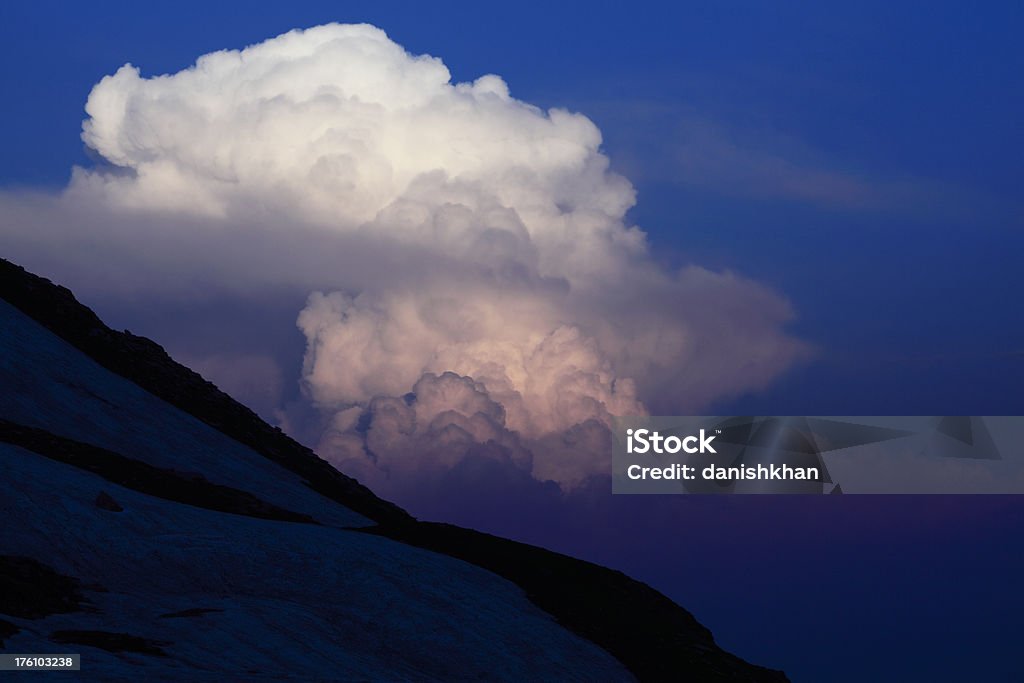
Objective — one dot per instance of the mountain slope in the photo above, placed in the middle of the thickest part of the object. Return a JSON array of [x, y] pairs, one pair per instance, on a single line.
[[269, 599], [192, 540]]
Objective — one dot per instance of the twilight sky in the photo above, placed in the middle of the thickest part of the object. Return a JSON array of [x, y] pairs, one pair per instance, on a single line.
[[829, 222]]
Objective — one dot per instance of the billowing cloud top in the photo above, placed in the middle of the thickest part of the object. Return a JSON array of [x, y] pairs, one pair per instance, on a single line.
[[479, 293], [339, 123]]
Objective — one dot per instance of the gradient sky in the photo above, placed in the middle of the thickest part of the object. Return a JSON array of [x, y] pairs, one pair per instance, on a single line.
[[863, 159]]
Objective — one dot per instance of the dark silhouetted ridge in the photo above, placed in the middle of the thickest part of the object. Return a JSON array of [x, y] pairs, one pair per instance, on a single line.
[[653, 637], [146, 363]]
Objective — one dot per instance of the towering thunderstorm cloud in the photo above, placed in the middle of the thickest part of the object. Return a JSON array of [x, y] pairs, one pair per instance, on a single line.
[[475, 290]]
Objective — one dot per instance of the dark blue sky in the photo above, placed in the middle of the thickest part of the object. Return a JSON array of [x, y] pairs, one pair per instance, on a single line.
[[862, 158]]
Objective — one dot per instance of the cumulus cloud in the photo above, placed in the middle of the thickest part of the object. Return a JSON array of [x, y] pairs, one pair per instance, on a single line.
[[475, 292]]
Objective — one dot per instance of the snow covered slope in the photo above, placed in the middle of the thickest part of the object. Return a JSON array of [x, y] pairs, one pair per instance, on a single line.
[[286, 599], [164, 532], [53, 386]]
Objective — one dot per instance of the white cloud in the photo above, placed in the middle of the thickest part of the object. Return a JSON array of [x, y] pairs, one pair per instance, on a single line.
[[460, 244]]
